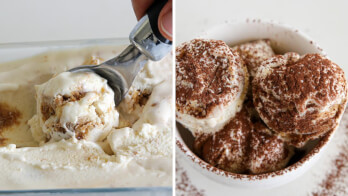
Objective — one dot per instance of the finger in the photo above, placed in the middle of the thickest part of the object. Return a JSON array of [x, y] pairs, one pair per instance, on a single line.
[[165, 21], [140, 7]]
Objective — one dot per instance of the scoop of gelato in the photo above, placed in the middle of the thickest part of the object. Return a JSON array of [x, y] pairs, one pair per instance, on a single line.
[[79, 105], [268, 151], [254, 53], [211, 84], [301, 98], [244, 146]]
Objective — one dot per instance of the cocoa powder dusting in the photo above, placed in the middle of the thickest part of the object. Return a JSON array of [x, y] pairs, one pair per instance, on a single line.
[[336, 180], [184, 185], [254, 53], [227, 148], [208, 74], [291, 95], [244, 146]]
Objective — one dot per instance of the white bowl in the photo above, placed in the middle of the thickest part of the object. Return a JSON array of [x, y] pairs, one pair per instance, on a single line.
[[284, 39]]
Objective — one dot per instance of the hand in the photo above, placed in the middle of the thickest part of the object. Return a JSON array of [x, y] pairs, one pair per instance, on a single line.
[[164, 19]]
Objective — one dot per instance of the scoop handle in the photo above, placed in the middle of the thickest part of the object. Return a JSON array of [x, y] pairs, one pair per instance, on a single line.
[[153, 13]]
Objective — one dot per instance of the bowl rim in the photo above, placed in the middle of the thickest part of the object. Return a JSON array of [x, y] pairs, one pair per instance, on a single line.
[[266, 22], [181, 145], [250, 177]]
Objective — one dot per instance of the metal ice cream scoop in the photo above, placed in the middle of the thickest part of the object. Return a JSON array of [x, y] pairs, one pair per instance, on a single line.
[[147, 43]]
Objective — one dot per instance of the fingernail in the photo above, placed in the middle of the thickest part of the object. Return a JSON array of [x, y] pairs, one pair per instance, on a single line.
[[166, 24]]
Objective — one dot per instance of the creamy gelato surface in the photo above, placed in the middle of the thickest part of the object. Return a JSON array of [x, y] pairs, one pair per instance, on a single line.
[[134, 151]]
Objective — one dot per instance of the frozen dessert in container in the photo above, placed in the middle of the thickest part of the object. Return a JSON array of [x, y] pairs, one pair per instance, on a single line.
[[64, 131]]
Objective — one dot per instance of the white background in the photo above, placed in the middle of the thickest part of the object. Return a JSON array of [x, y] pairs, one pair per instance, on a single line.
[[48, 20], [325, 21]]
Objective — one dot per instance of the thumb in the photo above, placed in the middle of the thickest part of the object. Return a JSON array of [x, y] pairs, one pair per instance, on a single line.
[[165, 22]]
